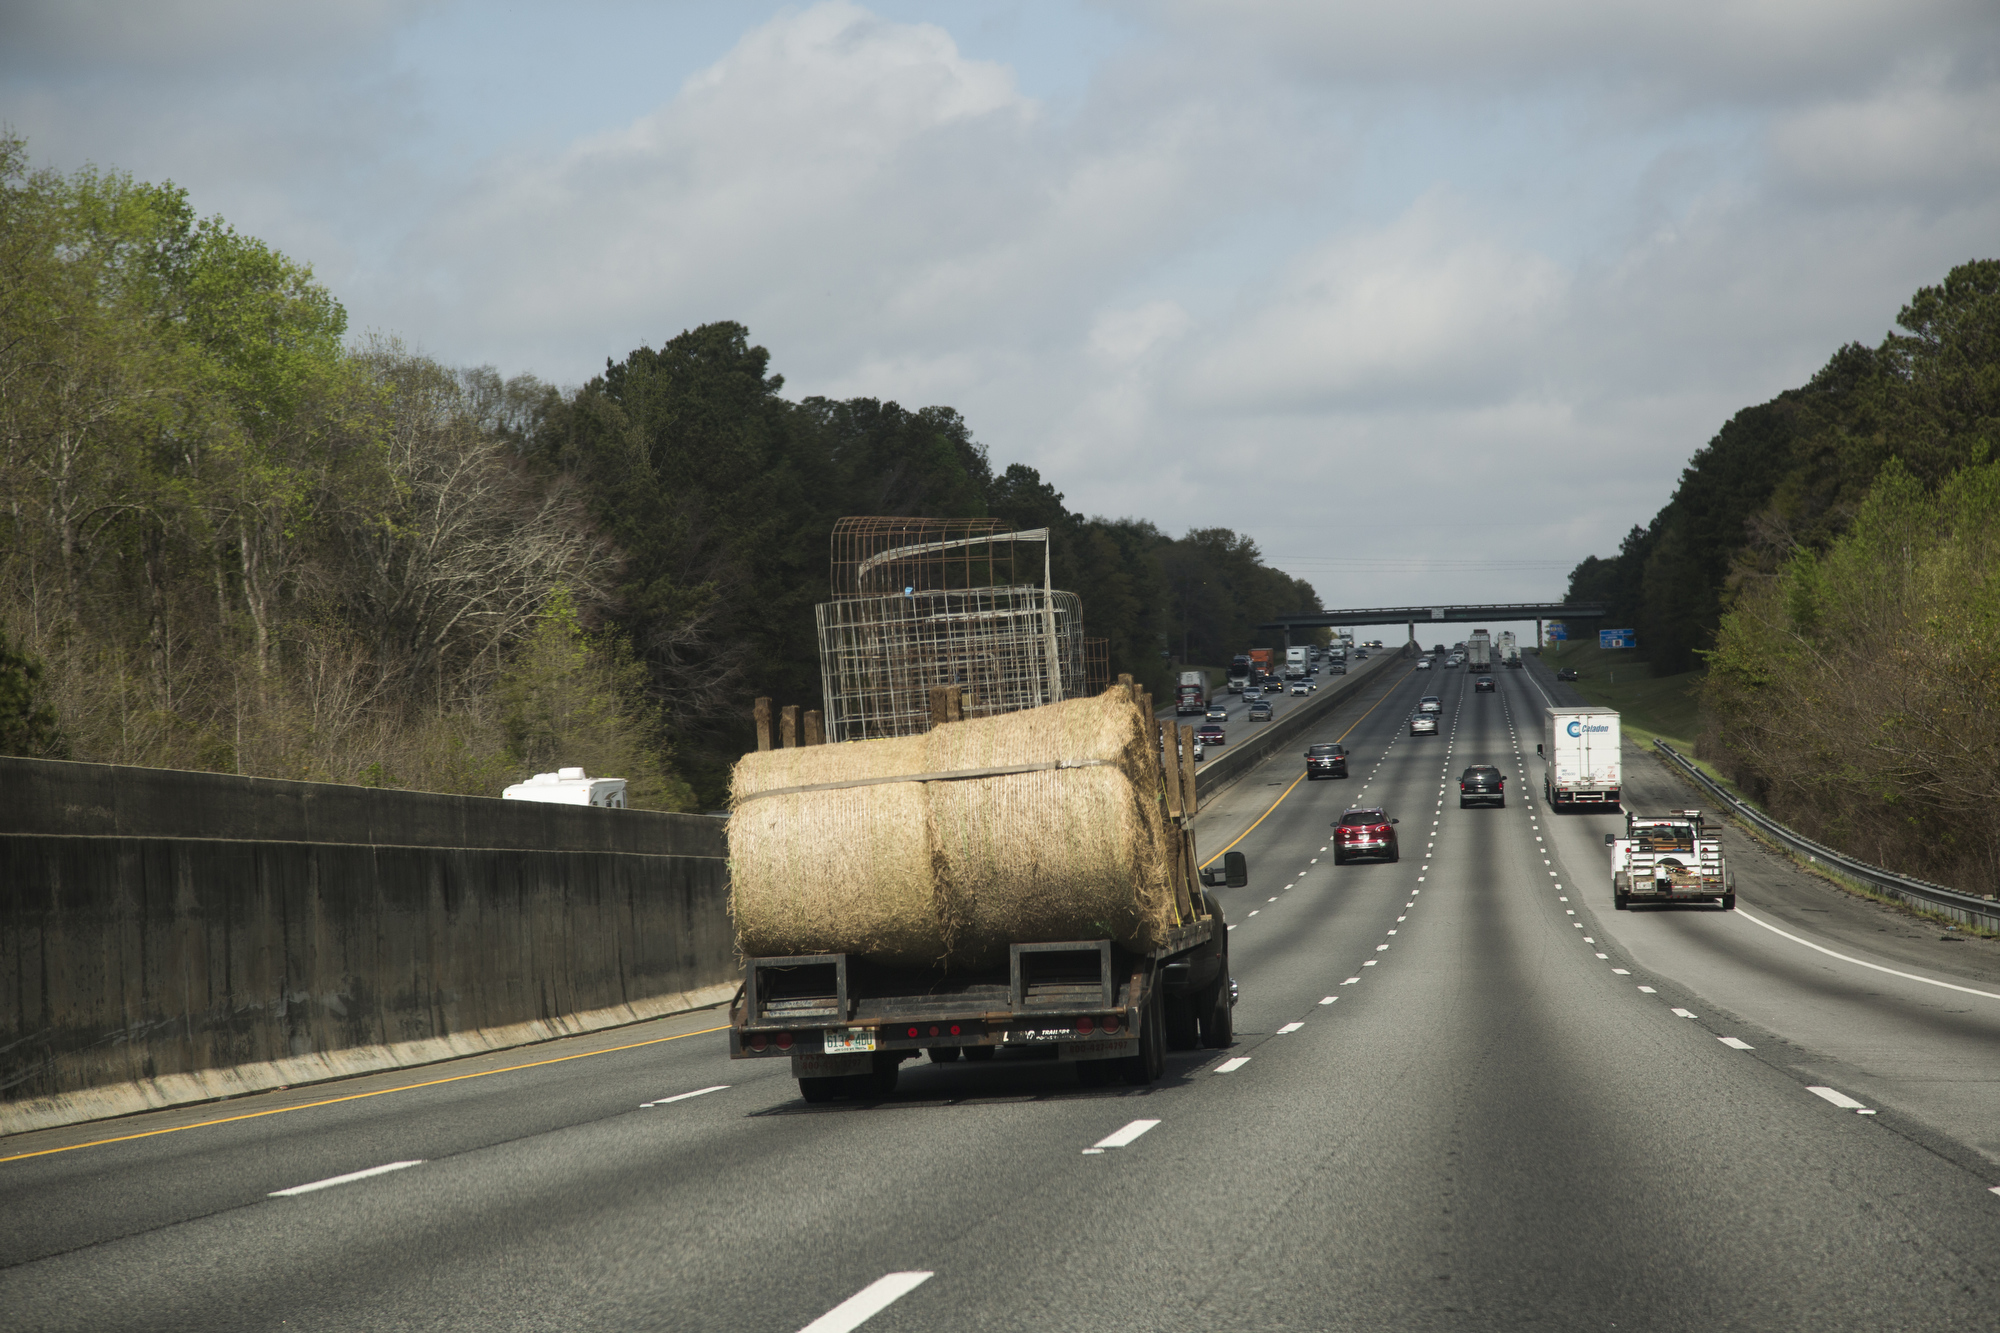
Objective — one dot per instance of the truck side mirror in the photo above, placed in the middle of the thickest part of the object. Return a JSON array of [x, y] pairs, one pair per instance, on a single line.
[[1235, 870], [1610, 838], [1538, 749], [1395, 821]]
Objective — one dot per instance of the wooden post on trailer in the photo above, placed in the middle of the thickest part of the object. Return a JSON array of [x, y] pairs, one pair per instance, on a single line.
[[763, 716], [788, 727], [1187, 773], [815, 728]]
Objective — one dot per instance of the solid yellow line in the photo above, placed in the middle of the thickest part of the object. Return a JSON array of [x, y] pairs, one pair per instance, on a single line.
[[1295, 782], [357, 1096]]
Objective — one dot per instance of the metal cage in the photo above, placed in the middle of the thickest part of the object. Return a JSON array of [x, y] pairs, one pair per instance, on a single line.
[[1096, 666], [1009, 648], [873, 557]]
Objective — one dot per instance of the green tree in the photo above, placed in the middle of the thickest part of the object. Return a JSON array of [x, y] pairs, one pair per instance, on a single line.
[[28, 726]]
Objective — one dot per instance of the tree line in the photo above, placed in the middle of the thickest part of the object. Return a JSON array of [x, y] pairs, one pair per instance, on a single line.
[[236, 540], [1829, 558]]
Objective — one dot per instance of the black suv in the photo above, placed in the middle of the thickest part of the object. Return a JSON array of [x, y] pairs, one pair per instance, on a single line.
[[1481, 783], [1326, 761]]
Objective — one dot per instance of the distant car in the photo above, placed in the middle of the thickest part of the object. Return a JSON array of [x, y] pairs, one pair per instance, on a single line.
[[1303, 687], [1361, 654], [1365, 831], [1218, 712], [1326, 761], [1567, 673], [1253, 694], [1423, 664], [1451, 663], [1209, 734], [1480, 784], [1484, 685], [1430, 703], [1260, 711], [1424, 724]]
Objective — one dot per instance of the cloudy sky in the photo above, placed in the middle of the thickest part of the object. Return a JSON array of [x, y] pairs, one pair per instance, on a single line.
[[1432, 299]]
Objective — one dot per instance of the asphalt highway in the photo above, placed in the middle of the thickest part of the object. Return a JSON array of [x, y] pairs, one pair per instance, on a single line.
[[1464, 1094]]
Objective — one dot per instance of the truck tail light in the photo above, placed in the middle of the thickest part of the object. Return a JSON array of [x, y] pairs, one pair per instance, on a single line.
[[1110, 1024], [784, 1040], [759, 1042], [1086, 1025]]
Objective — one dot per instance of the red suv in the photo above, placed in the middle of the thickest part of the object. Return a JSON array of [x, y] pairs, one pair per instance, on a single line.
[[1364, 832]]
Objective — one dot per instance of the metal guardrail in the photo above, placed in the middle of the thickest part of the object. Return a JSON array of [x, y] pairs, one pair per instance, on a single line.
[[1966, 907]]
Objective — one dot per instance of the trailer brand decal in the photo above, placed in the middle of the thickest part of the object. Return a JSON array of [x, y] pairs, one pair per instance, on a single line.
[[1578, 728]]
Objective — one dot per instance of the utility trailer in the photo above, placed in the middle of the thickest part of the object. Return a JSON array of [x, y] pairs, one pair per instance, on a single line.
[[1581, 747], [1673, 858], [847, 1024]]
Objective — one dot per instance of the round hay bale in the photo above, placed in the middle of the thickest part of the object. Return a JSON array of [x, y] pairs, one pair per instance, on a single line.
[[950, 872]]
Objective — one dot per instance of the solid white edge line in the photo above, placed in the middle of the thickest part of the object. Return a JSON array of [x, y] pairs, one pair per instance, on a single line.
[[683, 1096], [1231, 1066], [866, 1303], [1120, 1138], [342, 1180], [1840, 1099], [1877, 967]]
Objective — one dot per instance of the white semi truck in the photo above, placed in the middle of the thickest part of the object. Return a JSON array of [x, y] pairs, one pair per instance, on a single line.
[[1580, 747], [1671, 858], [1478, 650], [1296, 663], [1510, 650]]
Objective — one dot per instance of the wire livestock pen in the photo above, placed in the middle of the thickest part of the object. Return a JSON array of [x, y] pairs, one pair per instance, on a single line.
[[920, 603]]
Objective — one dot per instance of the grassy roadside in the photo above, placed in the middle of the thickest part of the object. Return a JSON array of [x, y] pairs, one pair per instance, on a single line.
[[1648, 705]]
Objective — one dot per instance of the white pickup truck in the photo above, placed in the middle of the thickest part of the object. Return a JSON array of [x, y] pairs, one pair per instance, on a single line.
[[1671, 858]]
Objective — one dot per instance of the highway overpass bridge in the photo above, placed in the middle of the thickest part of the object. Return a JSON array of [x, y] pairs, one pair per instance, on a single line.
[[1445, 614]]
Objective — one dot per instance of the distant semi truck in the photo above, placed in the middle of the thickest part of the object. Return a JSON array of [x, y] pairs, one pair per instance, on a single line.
[[1296, 662], [1191, 695], [1239, 673], [1580, 747], [1478, 650], [1510, 650]]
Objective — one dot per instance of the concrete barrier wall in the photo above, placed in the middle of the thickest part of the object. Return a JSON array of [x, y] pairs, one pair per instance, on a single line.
[[1289, 726], [155, 925]]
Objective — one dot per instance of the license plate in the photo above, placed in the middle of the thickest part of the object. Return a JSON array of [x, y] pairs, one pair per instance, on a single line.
[[846, 1041]]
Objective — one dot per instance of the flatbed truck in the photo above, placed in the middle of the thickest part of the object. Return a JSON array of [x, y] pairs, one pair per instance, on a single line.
[[1672, 858], [846, 1024]]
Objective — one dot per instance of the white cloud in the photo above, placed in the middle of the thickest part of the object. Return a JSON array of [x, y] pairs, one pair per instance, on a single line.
[[1917, 134], [1426, 308]]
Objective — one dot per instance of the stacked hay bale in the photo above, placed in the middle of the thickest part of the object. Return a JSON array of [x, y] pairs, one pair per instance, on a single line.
[[890, 849]]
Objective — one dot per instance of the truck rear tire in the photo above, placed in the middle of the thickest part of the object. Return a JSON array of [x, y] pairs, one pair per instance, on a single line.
[[1728, 902], [820, 1089], [1621, 901], [1151, 1061], [943, 1055], [980, 1052], [878, 1082], [1183, 1031]]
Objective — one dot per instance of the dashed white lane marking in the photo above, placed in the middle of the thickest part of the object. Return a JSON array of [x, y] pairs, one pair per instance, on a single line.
[[683, 1096], [1621, 972], [1350, 981], [1371, 962], [1907, 976], [1329, 999], [1234, 927], [1289, 1027], [1272, 900], [1838, 1098], [1736, 1043], [1643, 990], [1121, 1138], [866, 1303], [1380, 947], [331, 1181], [1604, 955], [1253, 914], [1683, 1013], [1231, 1066]]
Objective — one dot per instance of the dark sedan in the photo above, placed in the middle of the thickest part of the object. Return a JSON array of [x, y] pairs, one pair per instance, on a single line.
[[1481, 784], [1326, 761], [1484, 685]]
